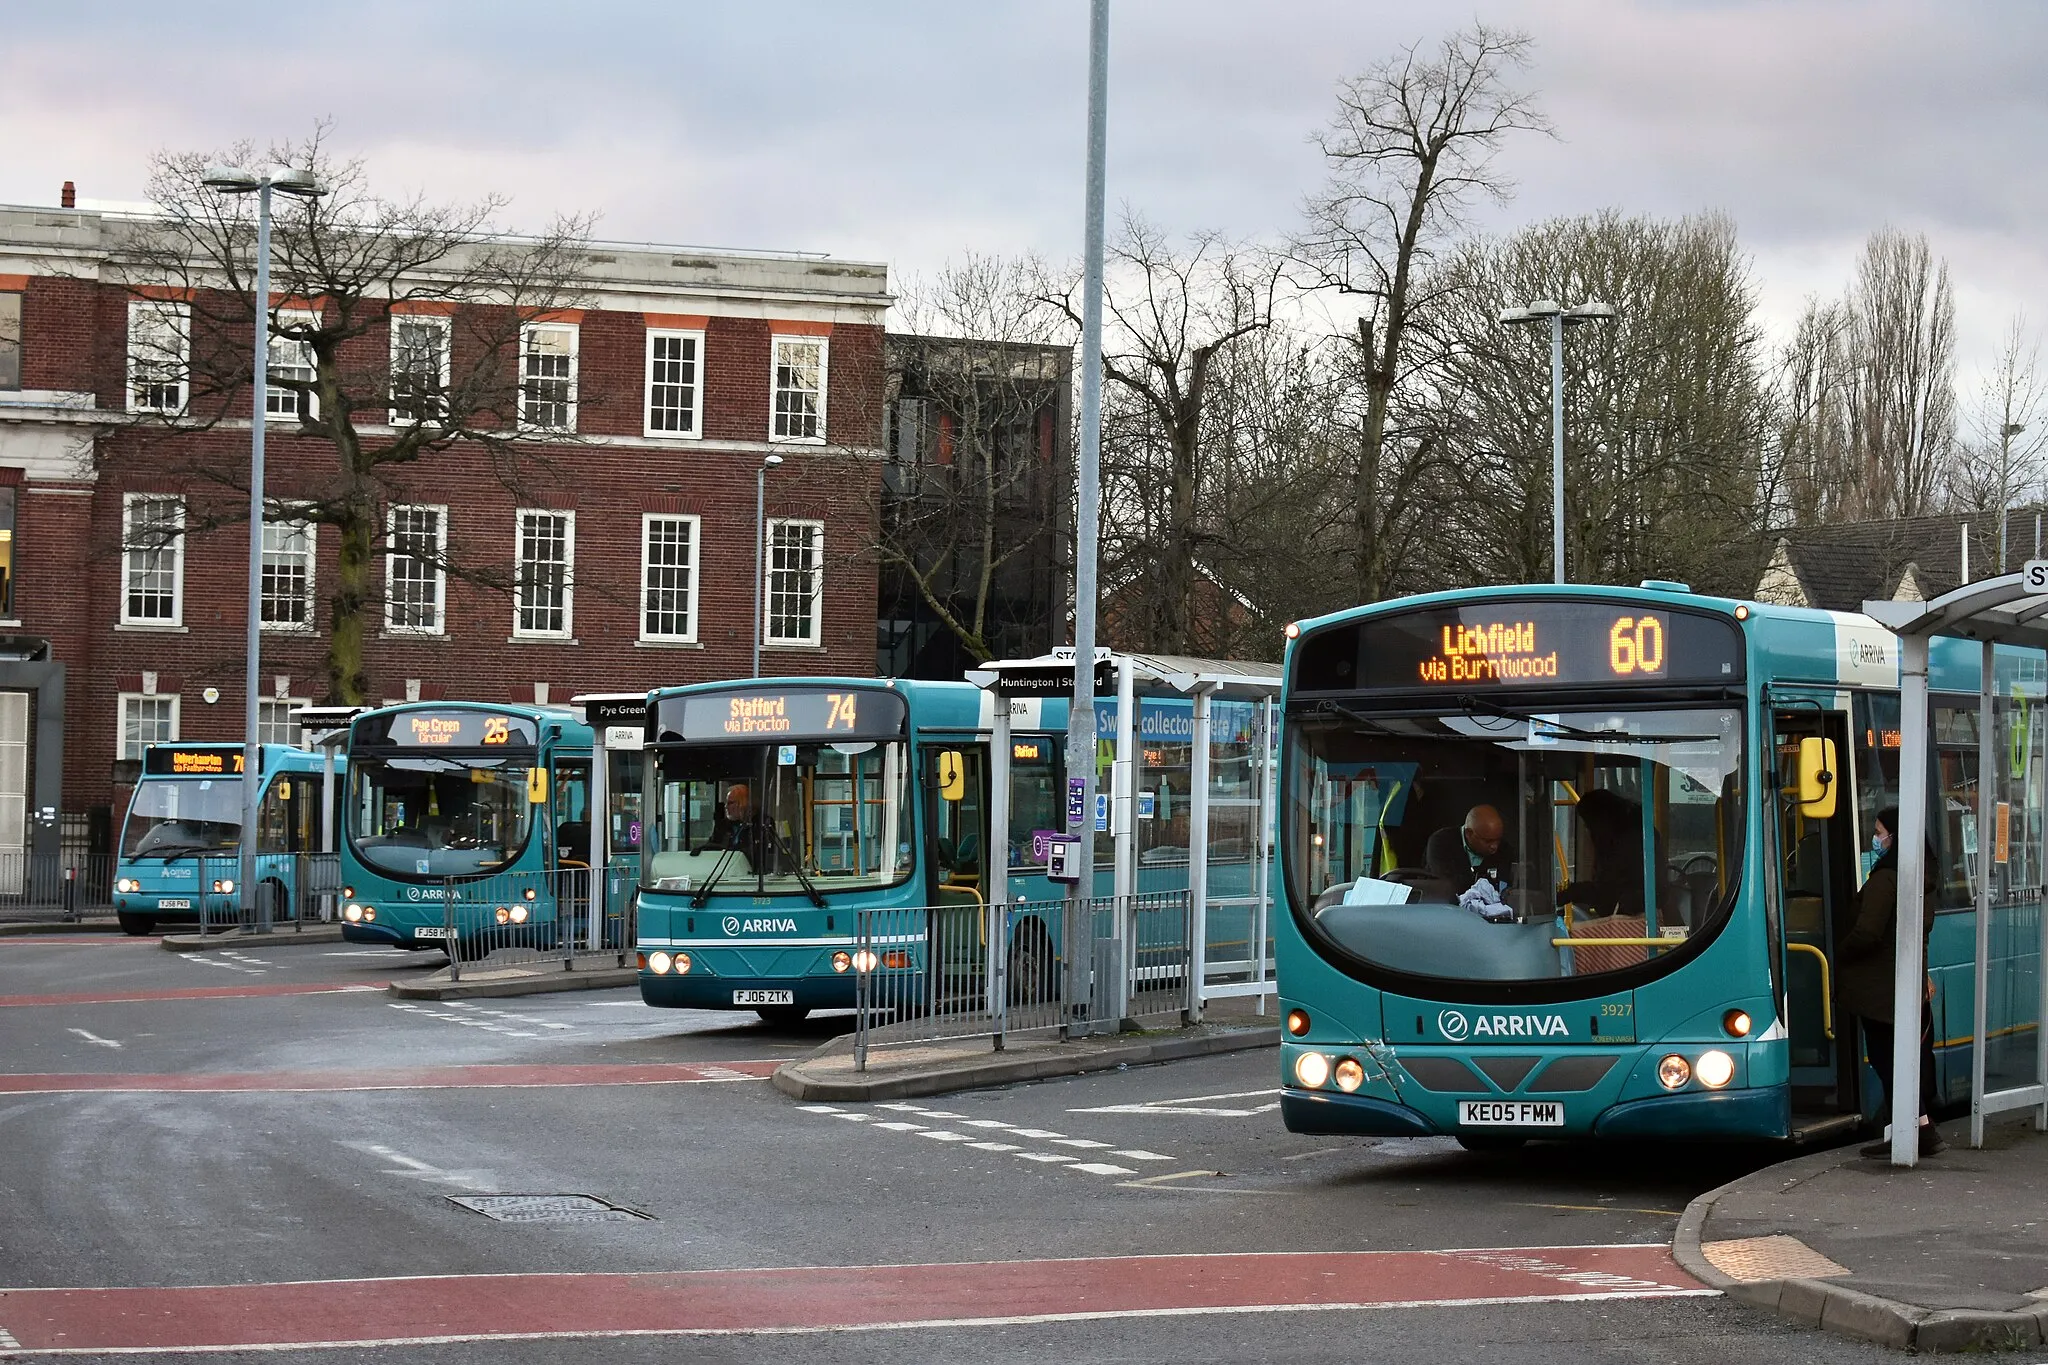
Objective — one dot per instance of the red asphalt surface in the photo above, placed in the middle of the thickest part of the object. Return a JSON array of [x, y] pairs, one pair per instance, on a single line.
[[814, 1299], [189, 993], [390, 1078]]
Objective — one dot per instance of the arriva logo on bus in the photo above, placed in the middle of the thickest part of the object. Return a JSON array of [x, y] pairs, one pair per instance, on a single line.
[[1457, 1026], [733, 925]]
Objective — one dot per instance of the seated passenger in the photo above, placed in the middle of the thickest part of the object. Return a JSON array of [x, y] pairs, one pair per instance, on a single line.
[[1614, 825], [1472, 852]]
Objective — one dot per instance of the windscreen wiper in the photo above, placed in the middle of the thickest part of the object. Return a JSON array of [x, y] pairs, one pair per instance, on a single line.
[[797, 864], [1338, 709], [702, 897], [1556, 726]]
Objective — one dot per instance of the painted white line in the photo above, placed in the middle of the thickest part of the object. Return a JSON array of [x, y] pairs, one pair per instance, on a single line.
[[938, 1114], [941, 1135], [1036, 1133], [817, 1109], [854, 1118], [7, 1341], [1046, 1156], [413, 1168], [901, 1127], [902, 1108], [987, 1123], [1139, 1154], [1101, 1168], [994, 1146], [1078, 1142], [1179, 1109], [94, 1038]]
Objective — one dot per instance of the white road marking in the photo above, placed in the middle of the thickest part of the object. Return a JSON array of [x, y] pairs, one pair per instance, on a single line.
[[941, 1135], [1187, 1105], [1036, 1133], [7, 1341], [1139, 1154], [994, 1146], [851, 1118], [1102, 1168], [413, 1168], [986, 1123], [902, 1127], [818, 1108], [1045, 1156], [1008, 1148], [1078, 1142], [95, 1038]]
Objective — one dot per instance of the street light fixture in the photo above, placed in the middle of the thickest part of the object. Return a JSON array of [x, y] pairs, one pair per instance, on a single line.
[[1558, 318], [300, 184], [768, 462]]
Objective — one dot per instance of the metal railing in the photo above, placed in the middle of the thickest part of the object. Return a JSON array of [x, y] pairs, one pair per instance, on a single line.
[[967, 970], [289, 902], [521, 918], [54, 886]]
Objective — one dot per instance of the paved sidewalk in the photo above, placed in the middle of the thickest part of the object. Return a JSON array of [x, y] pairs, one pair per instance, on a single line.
[[907, 1071], [93, 924], [281, 935], [1950, 1255], [483, 981]]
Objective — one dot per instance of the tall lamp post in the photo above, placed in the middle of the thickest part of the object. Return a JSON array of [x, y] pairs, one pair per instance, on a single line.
[[760, 540], [1559, 318], [302, 185]]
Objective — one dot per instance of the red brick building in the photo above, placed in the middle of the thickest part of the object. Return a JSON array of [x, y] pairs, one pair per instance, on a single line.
[[625, 560]]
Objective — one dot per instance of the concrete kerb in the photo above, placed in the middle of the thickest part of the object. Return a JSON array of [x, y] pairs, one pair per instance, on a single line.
[[281, 937], [540, 979], [28, 928], [980, 1070], [1839, 1309]]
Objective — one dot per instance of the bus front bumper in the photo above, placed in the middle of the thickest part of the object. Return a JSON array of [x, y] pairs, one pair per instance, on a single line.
[[706, 992]]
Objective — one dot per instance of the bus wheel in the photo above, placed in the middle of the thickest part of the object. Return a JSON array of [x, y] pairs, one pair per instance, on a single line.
[[1492, 1143], [135, 925], [784, 1016], [1031, 967]]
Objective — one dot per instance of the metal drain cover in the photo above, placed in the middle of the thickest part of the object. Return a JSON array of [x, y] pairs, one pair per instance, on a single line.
[[548, 1208]]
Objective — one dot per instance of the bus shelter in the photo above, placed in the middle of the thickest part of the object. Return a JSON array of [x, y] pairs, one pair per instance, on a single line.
[[2009, 995], [1186, 765], [618, 725]]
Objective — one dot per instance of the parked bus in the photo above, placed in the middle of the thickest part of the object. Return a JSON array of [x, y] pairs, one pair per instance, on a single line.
[[1685, 788], [864, 794], [489, 804], [182, 841]]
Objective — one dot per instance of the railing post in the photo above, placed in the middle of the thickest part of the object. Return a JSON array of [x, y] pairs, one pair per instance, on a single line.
[[999, 971], [565, 924], [449, 942], [862, 990]]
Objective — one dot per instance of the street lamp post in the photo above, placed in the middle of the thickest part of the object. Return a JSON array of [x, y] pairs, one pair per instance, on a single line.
[[2006, 431], [1559, 318], [760, 540], [234, 180]]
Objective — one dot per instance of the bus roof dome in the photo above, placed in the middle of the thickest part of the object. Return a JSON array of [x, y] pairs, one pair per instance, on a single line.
[[1667, 584]]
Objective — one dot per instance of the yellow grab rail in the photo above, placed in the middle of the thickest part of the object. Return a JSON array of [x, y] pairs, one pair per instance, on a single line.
[[1617, 943], [1827, 992]]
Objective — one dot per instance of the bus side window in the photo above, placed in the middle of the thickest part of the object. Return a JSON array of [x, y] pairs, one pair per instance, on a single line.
[[961, 824]]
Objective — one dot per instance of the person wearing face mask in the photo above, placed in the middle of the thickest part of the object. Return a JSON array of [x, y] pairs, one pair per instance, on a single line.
[[1865, 965]]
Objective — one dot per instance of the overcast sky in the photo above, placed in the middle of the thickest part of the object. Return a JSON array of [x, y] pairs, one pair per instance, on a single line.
[[910, 131]]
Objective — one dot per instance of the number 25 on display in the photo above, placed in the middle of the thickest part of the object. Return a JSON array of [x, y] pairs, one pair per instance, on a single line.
[[1635, 644]]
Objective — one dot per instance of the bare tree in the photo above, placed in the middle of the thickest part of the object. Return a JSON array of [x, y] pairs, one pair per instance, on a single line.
[[971, 502], [1410, 149], [1906, 331], [2002, 462], [1815, 475], [394, 346], [1170, 313]]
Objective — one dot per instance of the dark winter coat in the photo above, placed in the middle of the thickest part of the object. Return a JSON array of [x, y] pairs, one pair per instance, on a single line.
[[1864, 960]]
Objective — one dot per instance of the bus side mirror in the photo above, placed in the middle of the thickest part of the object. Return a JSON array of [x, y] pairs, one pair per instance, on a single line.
[[952, 775], [537, 785], [1817, 783]]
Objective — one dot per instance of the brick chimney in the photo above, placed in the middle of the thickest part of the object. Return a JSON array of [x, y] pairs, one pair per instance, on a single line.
[[69, 198]]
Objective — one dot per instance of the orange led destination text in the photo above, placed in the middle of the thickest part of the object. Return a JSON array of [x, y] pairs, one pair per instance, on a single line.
[[757, 716], [1498, 651]]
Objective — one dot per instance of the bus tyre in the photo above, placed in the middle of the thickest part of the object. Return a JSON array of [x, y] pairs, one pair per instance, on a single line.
[[784, 1016], [135, 925], [1491, 1143]]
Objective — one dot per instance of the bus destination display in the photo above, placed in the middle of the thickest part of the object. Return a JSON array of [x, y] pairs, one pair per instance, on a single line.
[[162, 761], [1521, 645], [783, 714], [454, 730]]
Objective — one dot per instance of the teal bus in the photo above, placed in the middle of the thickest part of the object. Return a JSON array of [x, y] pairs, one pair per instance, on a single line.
[[488, 804], [1685, 787], [867, 795], [181, 844]]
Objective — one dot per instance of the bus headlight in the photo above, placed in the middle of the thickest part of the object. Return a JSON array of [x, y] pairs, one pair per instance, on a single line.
[[841, 960], [348, 893], [127, 885], [1297, 1022], [504, 916], [519, 914], [682, 963], [865, 960], [370, 912], [1673, 1072], [658, 963], [223, 886], [1312, 1069], [1350, 1075], [530, 893], [353, 914], [1737, 1023], [1715, 1069]]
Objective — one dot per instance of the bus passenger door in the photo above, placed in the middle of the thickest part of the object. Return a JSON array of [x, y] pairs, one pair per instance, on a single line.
[[1816, 888], [956, 814]]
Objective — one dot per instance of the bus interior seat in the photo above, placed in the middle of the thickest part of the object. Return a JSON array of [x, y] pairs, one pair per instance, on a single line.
[[1442, 940], [572, 840]]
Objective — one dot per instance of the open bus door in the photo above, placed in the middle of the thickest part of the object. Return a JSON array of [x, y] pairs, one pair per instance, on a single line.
[[567, 814], [957, 848], [1813, 848]]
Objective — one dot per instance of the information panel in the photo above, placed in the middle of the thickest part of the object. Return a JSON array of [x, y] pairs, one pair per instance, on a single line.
[[782, 714], [1515, 645], [448, 729], [184, 760]]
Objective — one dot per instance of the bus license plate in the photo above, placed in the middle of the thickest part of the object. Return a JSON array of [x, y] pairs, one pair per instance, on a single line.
[[1510, 1114], [173, 903], [431, 931], [764, 997]]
